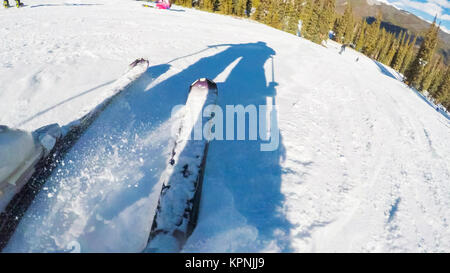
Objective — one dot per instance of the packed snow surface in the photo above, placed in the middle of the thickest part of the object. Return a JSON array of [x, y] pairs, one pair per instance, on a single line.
[[362, 163]]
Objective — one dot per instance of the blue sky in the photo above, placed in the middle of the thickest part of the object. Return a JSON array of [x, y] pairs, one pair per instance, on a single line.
[[426, 9]]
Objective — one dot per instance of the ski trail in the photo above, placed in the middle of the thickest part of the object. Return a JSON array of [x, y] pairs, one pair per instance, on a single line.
[[106, 185], [368, 131]]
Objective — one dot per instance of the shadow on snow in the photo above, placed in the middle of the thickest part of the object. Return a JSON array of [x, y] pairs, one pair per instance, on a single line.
[[384, 70], [241, 183]]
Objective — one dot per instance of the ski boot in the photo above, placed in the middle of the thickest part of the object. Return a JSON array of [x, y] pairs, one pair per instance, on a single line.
[[18, 4], [6, 4]]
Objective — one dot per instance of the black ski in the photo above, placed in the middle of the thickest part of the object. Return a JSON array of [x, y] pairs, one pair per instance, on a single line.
[[178, 205], [16, 208]]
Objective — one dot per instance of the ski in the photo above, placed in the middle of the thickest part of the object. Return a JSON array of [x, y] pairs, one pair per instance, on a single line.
[[178, 205], [19, 4], [46, 147]]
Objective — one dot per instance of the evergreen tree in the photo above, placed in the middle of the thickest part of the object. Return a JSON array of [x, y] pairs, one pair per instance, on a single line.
[[293, 15], [429, 74], [415, 71], [443, 90], [361, 36], [445, 100], [409, 55], [326, 18], [342, 24], [311, 31], [382, 37], [343, 27], [207, 5], [357, 31], [187, 3], [371, 37], [272, 18], [283, 14], [349, 25], [259, 6], [306, 12], [401, 53], [240, 8], [383, 55], [226, 6], [392, 49], [437, 80]]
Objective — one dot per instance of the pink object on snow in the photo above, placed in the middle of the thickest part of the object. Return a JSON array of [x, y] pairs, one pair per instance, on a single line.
[[163, 4]]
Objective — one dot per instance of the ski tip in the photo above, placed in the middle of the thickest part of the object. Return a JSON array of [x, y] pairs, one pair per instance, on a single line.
[[204, 83], [139, 61]]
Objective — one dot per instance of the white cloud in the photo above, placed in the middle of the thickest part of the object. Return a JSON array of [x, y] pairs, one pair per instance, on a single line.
[[431, 7], [444, 29], [442, 3]]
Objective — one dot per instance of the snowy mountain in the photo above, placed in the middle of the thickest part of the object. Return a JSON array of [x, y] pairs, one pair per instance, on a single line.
[[362, 163], [396, 20]]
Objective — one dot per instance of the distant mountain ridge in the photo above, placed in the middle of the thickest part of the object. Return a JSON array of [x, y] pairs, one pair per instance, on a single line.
[[396, 20]]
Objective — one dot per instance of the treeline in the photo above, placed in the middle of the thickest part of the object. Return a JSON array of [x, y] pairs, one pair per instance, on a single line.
[[422, 70]]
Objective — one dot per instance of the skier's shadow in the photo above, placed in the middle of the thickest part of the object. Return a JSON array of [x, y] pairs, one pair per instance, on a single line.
[[241, 192], [242, 188], [242, 183]]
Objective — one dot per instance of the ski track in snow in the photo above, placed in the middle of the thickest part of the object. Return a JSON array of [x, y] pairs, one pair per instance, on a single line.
[[363, 162]]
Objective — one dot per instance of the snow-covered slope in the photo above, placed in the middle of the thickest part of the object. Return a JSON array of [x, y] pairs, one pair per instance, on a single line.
[[363, 161]]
